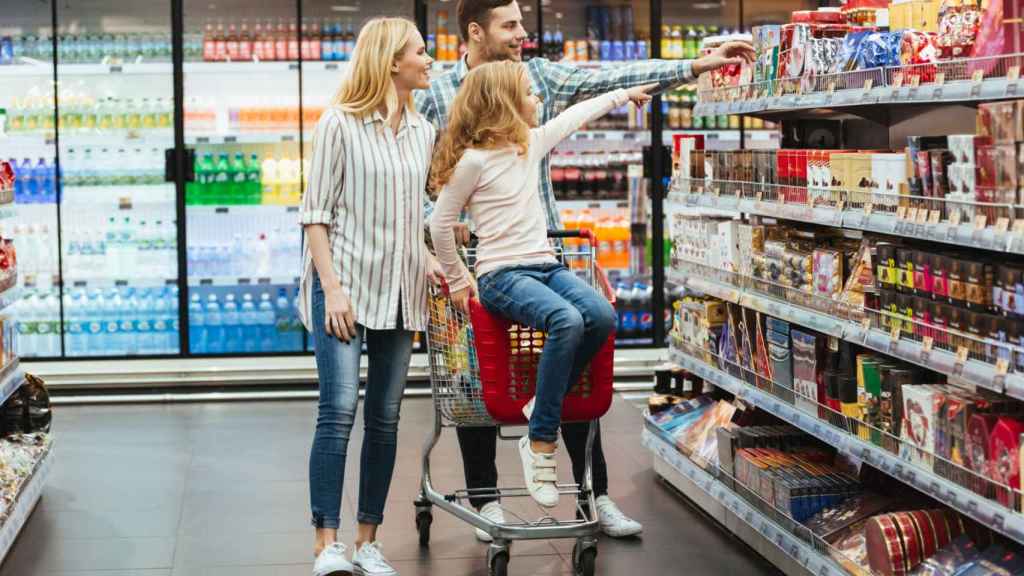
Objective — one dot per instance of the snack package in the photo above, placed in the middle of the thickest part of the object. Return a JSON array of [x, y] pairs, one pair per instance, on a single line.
[[847, 60], [959, 23]]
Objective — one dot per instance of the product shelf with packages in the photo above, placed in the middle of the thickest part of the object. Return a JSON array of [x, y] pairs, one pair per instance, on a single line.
[[483, 373]]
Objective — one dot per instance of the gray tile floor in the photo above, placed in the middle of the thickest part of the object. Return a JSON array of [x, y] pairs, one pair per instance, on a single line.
[[221, 490]]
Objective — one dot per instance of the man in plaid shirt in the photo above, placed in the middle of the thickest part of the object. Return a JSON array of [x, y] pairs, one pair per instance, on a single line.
[[493, 31]]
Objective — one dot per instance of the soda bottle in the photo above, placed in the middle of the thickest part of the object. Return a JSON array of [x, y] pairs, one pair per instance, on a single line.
[[338, 41], [281, 41], [293, 41], [256, 43], [205, 176], [237, 175], [222, 177], [267, 39], [350, 39], [245, 43], [220, 45], [252, 180], [327, 43]]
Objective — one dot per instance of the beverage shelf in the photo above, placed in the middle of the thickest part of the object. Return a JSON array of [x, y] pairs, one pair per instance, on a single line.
[[778, 545], [987, 512], [25, 503], [881, 217], [243, 281], [38, 69], [10, 296], [983, 372], [593, 204], [104, 283], [243, 210]]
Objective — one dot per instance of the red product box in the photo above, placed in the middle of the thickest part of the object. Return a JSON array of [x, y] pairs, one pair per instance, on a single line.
[[782, 174], [1001, 30]]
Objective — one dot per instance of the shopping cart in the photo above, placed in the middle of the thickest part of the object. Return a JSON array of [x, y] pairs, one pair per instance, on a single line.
[[482, 373]]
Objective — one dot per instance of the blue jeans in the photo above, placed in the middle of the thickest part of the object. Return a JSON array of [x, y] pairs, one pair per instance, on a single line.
[[576, 319], [337, 364]]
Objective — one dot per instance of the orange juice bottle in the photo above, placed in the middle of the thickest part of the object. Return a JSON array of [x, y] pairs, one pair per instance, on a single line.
[[604, 230], [620, 243]]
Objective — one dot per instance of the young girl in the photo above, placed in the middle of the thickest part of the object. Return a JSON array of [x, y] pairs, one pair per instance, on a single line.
[[489, 160], [365, 277]]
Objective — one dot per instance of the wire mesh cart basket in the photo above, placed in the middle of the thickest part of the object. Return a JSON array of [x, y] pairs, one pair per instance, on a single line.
[[482, 373]]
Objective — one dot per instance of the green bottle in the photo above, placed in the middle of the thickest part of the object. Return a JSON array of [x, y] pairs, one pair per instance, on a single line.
[[204, 177], [239, 193], [192, 188], [253, 179], [221, 189]]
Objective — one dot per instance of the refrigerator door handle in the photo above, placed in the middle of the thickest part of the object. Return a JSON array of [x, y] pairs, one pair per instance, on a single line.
[[170, 163]]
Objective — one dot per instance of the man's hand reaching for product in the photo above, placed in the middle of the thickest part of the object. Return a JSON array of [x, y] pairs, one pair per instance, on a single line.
[[729, 53]]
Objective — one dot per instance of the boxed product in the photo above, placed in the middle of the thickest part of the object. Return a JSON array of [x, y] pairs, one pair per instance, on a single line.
[[779, 351], [806, 367], [728, 247], [920, 416]]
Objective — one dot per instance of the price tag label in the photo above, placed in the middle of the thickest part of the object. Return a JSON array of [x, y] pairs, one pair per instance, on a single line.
[[1002, 224], [1012, 78], [934, 217], [897, 80], [927, 343], [1002, 367], [868, 84], [901, 212], [911, 214], [915, 80], [922, 216], [940, 79], [840, 206], [961, 355], [976, 79], [955, 217], [980, 221]]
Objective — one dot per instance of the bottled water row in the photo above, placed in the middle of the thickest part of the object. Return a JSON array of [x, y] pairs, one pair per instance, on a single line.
[[259, 255], [241, 321], [37, 250], [111, 322], [34, 183], [122, 248], [112, 167]]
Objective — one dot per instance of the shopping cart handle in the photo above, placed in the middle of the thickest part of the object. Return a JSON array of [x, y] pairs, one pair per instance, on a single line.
[[582, 233]]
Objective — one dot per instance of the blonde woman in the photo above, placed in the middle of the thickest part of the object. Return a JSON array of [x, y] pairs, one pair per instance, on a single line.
[[489, 162], [365, 277]]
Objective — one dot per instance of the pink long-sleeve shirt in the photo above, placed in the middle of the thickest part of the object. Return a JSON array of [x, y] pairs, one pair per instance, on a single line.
[[500, 189]]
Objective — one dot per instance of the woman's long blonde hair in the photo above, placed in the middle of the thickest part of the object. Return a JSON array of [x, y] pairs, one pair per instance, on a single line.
[[485, 114], [368, 85]]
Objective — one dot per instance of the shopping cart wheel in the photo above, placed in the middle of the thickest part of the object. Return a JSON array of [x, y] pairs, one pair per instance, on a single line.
[[584, 555], [499, 564], [424, 518]]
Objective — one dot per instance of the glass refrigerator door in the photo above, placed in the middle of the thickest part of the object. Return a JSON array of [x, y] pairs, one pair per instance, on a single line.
[[27, 132], [118, 214], [242, 119], [332, 30], [597, 173]]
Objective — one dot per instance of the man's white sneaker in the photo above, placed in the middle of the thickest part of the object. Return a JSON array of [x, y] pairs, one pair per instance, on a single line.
[[613, 522], [541, 477], [493, 512], [332, 562], [369, 561]]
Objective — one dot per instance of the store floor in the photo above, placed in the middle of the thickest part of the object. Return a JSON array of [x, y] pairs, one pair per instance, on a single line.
[[221, 490]]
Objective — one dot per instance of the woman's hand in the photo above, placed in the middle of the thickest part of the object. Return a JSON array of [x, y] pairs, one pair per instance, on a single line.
[[340, 320], [435, 273], [641, 95], [462, 236], [460, 298]]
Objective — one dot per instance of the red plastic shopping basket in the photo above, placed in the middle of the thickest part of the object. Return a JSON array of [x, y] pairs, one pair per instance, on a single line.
[[508, 355]]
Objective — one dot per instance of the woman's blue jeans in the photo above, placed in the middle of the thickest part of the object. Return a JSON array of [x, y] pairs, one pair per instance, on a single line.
[[337, 365]]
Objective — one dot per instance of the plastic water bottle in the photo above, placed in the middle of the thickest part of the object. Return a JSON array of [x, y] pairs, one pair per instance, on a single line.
[[143, 304], [27, 326], [162, 327], [200, 333], [283, 322], [232, 325], [40, 185], [250, 325], [267, 321], [128, 315], [51, 183], [644, 295], [214, 326], [30, 184], [77, 325], [262, 256]]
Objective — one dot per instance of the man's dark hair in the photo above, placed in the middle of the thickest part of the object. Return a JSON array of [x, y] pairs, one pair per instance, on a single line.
[[478, 11]]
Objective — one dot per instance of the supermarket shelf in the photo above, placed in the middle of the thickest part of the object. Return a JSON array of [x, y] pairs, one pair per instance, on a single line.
[[11, 378], [148, 139], [981, 374], [25, 503], [593, 204], [964, 234], [45, 69], [876, 90], [236, 281], [242, 210], [987, 512], [119, 282], [248, 138], [10, 296], [782, 548]]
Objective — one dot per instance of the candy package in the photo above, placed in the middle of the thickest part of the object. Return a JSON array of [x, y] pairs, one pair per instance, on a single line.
[[958, 28], [847, 59]]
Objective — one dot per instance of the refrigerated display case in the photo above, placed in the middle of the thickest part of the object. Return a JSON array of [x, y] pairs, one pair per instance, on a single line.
[[141, 244]]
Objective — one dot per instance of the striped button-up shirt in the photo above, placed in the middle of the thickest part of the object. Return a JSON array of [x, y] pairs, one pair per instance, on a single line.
[[559, 86], [367, 185]]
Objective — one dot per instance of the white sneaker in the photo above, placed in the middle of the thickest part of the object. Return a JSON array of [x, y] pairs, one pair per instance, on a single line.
[[369, 561], [541, 477], [332, 562], [613, 522], [493, 512]]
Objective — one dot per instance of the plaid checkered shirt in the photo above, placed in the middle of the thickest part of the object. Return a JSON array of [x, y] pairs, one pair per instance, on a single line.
[[559, 86]]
